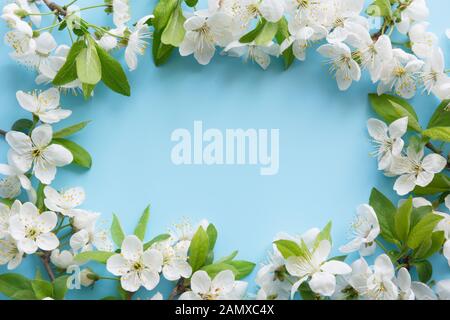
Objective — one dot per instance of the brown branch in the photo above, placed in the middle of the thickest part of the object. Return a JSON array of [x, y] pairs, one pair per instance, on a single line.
[[179, 289], [56, 8], [45, 258]]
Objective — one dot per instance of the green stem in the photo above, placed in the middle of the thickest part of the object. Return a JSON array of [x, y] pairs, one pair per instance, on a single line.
[[104, 31], [49, 27], [96, 6], [378, 242], [108, 278]]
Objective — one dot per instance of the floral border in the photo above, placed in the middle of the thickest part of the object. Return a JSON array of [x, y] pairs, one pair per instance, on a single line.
[[51, 225]]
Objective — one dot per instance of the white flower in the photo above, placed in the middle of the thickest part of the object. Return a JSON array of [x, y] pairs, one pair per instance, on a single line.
[[366, 229], [87, 237], [21, 41], [14, 179], [108, 41], [302, 32], [184, 231], [404, 285], [314, 265], [45, 45], [203, 33], [422, 42], [44, 105], [137, 43], [85, 277], [250, 51], [121, 12], [5, 215], [400, 74], [414, 170], [15, 22], [273, 284], [48, 71], [342, 63], [9, 253], [135, 266], [424, 292], [222, 287], [31, 9], [433, 74], [175, 263], [62, 259], [32, 230], [157, 296], [388, 140], [64, 202], [271, 10], [39, 151], [355, 283], [416, 10], [380, 285], [343, 17], [372, 53]]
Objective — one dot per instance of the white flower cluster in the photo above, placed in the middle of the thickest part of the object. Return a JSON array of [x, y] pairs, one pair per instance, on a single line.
[[411, 167], [350, 45], [281, 278]]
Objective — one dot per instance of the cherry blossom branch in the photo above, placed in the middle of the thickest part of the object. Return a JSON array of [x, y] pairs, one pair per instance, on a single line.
[[45, 258], [179, 288], [56, 8]]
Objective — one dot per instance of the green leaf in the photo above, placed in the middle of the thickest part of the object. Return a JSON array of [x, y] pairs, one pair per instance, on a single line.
[[391, 108], [282, 34], [228, 258], [70, 130], [160, 51], [441, 117], [243, 268], [267, 33], [380, 8], [198, 249], [87, 90], [80, 156], [438, 133], [215, 268], [10, 283], [40, 196], [89, 67], [191, 3], [141, 227], [98, 256], [68, 71], [418, 213], [440, 183], [113, 75], [403, 220], [116, 230], [423, 229], [424, 270], [325, 234], [437, 241], [251, 35], [23, 295], [156, 239], [42, 289], [60, 287], [22, 125], [385, 211], [211, 231], [162, 13], [288, 248], [173, 33]]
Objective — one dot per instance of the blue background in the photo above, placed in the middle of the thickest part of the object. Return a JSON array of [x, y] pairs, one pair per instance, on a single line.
[[325, 167]]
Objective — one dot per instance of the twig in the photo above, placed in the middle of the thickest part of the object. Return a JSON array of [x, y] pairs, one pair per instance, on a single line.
[[46, 262], [2, 132], [179, 288], [56, 8]]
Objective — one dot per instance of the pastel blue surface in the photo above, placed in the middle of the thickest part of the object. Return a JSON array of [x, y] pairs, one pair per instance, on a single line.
[[325, 167]]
